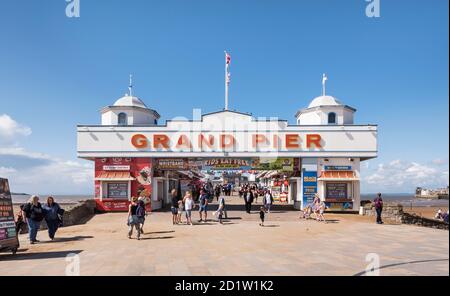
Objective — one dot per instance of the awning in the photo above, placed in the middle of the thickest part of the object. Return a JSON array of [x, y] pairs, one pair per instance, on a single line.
[[338, 176], [261, 175], [114, 176]]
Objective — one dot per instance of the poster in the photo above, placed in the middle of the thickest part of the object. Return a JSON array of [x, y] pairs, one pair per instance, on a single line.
[[309, 187], [274, 164], [8, 237]]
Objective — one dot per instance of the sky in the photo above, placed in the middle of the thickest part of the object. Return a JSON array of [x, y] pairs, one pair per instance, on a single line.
[[57, 72]]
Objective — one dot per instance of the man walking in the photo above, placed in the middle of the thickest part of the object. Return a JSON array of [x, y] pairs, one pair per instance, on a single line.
[[378, 201], [203, 205]]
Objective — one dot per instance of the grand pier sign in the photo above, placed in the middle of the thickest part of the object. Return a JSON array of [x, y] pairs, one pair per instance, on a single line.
[[227, 134]]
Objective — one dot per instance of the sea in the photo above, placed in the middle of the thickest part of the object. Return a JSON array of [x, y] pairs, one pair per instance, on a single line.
[[406, 199]]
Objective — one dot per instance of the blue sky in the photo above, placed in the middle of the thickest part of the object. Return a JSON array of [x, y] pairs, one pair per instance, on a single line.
[[57, 72]]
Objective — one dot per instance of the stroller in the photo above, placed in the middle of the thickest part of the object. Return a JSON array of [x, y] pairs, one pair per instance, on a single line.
[[307, 212]]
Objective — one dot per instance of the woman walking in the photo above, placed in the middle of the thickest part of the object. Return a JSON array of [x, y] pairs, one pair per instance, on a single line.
[[34, 214], [53, 211], [133, 221]]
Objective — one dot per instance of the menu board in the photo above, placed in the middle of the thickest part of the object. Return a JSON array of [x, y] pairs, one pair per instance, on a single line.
[[336, 191], [8, 236], [309, 187], [118, 190]]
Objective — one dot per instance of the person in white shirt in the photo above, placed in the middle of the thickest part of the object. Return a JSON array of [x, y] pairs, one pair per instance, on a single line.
[[188, 207], [268, 200]]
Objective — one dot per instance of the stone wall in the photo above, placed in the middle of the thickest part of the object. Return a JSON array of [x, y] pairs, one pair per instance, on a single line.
[[394, 212], [391, 211], [74, 214], [408, 218]]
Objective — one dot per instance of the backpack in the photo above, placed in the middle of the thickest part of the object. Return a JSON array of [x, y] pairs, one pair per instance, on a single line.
[[140, 211]]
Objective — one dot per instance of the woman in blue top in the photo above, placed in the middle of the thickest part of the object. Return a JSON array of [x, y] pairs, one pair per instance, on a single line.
[[53, 210]]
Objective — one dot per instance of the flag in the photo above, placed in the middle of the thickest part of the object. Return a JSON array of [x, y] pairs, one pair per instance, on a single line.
[[324, 79], [227, 65]]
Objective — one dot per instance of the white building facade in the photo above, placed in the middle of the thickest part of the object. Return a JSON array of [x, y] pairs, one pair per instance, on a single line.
[[129, 145]]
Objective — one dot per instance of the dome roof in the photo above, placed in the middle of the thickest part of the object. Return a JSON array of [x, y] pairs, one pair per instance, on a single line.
[[129, 101], [324, 101]]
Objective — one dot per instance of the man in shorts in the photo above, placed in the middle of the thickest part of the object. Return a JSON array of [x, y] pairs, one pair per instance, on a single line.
[[203, 207]]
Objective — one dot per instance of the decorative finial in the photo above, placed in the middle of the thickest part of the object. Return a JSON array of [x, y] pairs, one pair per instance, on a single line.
[[324, 80], [130, 86]]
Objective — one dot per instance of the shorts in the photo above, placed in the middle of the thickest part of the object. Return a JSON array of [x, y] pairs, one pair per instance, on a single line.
[[203, 208], [188, 213], [174, 210]]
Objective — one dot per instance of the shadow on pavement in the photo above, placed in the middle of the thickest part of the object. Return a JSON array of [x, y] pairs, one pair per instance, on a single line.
[[39, 255], [157, 237], [273, 225], [68, 239], [159, 232], [402, 263]]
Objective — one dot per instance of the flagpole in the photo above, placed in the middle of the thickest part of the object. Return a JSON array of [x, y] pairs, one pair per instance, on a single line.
[[226, 82]]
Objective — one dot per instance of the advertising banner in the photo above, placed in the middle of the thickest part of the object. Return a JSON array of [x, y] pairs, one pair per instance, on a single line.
[[273, 164], [172, 164], [227, 164], [8, 237], [309, 187]]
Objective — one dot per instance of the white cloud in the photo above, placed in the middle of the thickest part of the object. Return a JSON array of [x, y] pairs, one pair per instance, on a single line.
[[11, 129], [405, 176], [35, 172], [53, 176]]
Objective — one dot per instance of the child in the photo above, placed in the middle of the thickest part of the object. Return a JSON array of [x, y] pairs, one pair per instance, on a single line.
[[20, 223], [262, 213], [306, 214], [322, 207], [180, 211]]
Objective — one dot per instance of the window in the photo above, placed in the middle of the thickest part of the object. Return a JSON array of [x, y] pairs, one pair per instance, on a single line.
[[122, 119], [117, 190], [332, 118]]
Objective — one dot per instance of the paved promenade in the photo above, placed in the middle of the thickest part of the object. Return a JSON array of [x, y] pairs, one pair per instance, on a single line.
[[286, 246]]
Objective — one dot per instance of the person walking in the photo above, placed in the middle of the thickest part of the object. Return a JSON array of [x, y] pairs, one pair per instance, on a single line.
[[52, 216], [249, 201], [140, 214], [262, 214], [174, 206], [34, 214], [133, 221], [203, 208], [378, 201], [268, 200], [147, 204], [188, 207], [218, 191]]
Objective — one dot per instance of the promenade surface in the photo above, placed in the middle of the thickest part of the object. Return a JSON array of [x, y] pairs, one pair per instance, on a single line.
[[285, 246]]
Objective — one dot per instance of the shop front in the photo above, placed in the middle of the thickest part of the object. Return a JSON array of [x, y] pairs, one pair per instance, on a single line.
[[135, 156]]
